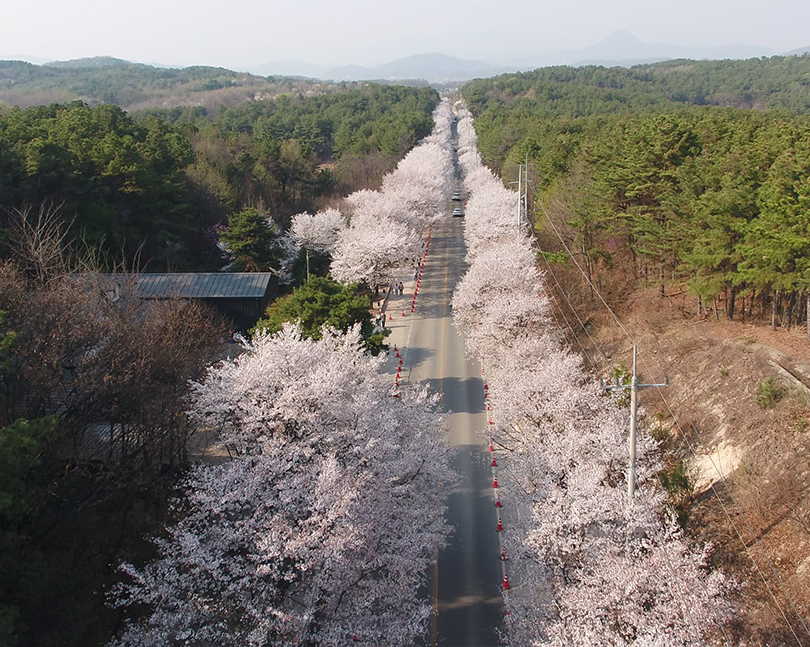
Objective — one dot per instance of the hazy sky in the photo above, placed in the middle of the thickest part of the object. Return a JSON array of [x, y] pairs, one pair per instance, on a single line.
[[241, 34]]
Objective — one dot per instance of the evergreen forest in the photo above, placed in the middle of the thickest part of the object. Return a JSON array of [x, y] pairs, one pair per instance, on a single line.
[[683, 173], [152, 189]]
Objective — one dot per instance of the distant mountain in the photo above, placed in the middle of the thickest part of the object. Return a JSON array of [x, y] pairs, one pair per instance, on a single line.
[[349, 73], [437, 68], [624, 49], [291, 68], [798, 52], [434, 68]]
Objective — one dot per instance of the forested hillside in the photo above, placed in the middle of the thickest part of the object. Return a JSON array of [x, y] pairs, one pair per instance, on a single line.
[[645, 179], [134, 86], [157, 186]]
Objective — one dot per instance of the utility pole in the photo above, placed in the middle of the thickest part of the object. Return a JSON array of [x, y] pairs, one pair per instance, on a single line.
[[520, 194], [634, 386]]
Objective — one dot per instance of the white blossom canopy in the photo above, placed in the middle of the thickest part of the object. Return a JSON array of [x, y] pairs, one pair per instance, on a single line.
[[322, 526]]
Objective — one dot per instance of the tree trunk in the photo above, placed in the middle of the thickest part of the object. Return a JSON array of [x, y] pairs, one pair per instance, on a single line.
[[714, 308], [732, 299], [699, 305], [588, 270], [774, 308], [791, 306]]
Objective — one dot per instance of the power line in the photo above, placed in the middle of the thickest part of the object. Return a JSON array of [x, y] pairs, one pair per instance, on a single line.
[[694, 454], [571, 306], [567, 323]]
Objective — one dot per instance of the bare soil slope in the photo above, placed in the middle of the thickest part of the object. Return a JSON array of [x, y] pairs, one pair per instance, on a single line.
[[748, 461]]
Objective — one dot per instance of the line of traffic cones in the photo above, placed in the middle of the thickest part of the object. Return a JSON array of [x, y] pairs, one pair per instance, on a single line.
[[495, 486], [419, 275]]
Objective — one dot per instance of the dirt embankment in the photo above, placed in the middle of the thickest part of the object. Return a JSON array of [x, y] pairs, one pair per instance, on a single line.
[[737, 413]]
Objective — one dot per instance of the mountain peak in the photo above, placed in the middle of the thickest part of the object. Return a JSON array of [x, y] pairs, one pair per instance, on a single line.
[[621, 36]]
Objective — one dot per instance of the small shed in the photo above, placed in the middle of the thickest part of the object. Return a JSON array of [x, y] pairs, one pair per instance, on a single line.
[[241, 297]]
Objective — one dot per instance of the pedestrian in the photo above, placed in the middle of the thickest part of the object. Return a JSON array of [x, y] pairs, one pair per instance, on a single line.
[[401, 288], [415, 273]]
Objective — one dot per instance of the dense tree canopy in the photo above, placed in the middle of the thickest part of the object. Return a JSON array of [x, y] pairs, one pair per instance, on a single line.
[[323, 302], [320, 529], [153, 187], [634, 179]]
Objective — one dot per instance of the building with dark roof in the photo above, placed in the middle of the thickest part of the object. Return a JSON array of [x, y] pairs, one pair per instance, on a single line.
[[241, 297]]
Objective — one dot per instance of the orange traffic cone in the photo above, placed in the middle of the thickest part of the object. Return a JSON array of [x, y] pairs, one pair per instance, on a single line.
[[505, 582], [498, 504], [500, 525], [491, 448], [494, 462], [503, 555], [495, 482]]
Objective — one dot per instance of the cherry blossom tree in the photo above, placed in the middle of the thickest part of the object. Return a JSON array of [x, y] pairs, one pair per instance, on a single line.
[[385, 228], [318, 232], [373, 250], [378, 204], [587, 565], [322, 526], [422, 181]]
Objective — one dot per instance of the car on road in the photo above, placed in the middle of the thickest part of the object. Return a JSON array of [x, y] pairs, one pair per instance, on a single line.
[[458, 212], [456, 196]]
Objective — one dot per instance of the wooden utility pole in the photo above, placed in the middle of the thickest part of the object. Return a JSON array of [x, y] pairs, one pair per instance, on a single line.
[[520, 194], [634, 386]]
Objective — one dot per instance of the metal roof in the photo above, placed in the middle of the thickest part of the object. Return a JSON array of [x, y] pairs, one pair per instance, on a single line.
[[213, 285]]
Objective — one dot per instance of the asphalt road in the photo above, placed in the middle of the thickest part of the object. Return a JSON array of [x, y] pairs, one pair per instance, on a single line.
[[468, 575]]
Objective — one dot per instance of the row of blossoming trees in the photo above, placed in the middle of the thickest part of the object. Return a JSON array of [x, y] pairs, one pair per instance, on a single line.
[[380, 232], [587, 566], [320, 527]]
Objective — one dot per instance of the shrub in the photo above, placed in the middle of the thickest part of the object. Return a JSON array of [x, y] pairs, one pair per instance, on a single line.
[[769, 392]]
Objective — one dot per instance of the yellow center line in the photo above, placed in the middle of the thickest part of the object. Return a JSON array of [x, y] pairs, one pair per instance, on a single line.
[[441, 391]]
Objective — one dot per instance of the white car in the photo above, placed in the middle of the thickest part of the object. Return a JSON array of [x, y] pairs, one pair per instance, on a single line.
[[456, 196], [458, 212]]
